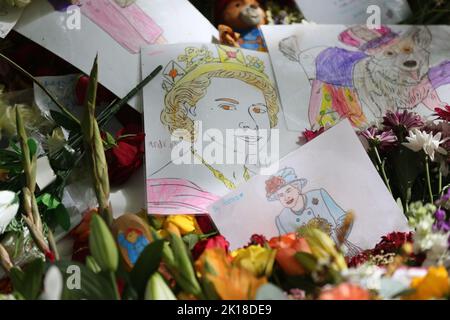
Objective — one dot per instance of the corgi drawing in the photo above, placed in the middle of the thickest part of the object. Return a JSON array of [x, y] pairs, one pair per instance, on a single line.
[[389, 71]]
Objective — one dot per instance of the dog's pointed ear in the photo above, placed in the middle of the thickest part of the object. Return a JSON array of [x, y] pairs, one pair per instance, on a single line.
[[421, 36]]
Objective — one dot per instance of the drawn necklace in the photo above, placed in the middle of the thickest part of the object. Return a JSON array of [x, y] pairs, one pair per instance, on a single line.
[[220, 176]]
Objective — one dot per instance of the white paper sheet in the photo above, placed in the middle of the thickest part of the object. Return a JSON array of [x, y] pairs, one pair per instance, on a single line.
[[8, 18], [189, 188], [119, 70], [326, 72], [353, 11], [327, 177]]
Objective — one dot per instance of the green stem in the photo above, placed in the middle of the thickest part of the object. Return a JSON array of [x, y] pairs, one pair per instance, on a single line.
[[383, 172], [40, 85], [427, 170], [114, 284]]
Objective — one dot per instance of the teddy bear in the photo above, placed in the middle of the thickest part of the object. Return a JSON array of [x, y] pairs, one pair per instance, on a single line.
[[238, 23]]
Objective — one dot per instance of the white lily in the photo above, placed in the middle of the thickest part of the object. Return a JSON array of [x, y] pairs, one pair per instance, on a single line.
[[53, 284], [429, 143], [9, 205]]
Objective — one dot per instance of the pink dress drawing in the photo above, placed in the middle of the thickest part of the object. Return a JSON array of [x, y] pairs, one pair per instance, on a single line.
[[131, 27], [177, 196]]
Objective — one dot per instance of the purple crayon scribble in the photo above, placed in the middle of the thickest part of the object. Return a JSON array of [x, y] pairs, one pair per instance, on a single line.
[[335, 66]]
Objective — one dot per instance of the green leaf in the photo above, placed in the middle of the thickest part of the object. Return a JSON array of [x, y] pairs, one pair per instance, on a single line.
[[110, 142], [307, 260], [92, 286], [49, 201], [191, 240], [147, 263], [32, 145], [62, 216], [28, 282], [64, 121]]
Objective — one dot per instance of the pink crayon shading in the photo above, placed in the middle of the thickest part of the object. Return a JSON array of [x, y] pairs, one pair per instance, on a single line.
[[130, 26], [177, 196], [141, 22]]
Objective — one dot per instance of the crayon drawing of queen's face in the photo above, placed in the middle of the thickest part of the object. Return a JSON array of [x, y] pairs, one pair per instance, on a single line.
[[234, 104], [231, 92], [222, 89]]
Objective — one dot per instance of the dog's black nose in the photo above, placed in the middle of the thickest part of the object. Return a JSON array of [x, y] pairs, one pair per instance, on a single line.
[[410, 64]]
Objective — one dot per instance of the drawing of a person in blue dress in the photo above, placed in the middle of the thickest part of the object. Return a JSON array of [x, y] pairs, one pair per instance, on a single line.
[[134, 242], [315, 208]]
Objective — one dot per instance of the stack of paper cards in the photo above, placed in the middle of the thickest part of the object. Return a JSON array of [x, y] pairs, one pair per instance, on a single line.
[[116, 34], [315, 186], [325, 73]]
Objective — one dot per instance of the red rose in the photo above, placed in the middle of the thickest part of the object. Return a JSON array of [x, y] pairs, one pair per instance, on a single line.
[[127, 156], [205, 223], [257, 239], [213, 242], [103, 94]]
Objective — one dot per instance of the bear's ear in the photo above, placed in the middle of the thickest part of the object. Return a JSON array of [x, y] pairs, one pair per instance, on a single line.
[[421, 36]]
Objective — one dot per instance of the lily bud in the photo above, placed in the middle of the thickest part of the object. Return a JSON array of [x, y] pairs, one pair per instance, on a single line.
[[157, 289], [102, 245], [9, 206]]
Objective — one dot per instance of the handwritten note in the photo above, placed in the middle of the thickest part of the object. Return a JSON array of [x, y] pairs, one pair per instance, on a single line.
[[8, 18]]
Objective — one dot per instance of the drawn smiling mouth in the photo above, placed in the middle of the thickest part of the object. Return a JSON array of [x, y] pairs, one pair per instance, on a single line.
[[290, 201]]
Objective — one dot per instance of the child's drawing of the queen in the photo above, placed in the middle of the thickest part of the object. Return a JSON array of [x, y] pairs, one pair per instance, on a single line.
[[223, 89], [315, 208]]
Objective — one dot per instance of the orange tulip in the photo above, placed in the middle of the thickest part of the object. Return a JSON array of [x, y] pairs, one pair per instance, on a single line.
[[287, 246], [345, 291]]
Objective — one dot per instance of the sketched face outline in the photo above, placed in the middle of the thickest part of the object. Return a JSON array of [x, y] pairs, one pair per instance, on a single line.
[[234, 104], [289, 195]]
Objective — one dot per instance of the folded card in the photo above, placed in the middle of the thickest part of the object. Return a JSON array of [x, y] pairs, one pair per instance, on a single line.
[[317, 185]]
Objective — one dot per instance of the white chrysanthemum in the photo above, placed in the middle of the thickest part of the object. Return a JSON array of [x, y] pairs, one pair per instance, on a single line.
[[429, 143]]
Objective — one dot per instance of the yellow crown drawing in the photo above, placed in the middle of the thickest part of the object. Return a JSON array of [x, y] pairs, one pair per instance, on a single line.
[[198, 61]]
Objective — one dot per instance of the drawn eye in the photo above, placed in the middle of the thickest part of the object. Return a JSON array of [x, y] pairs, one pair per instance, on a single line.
[[227, 107], [238, 5], [389, 53], [407, 50], [259, 109]]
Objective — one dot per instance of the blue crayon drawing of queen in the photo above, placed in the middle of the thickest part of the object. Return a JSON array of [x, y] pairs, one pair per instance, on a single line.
[[315, 208]]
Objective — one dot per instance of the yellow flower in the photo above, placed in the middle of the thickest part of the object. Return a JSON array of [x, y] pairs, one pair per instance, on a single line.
[[434, 285], [324, 249], [183, 223], [228, 281], [256, 259]]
